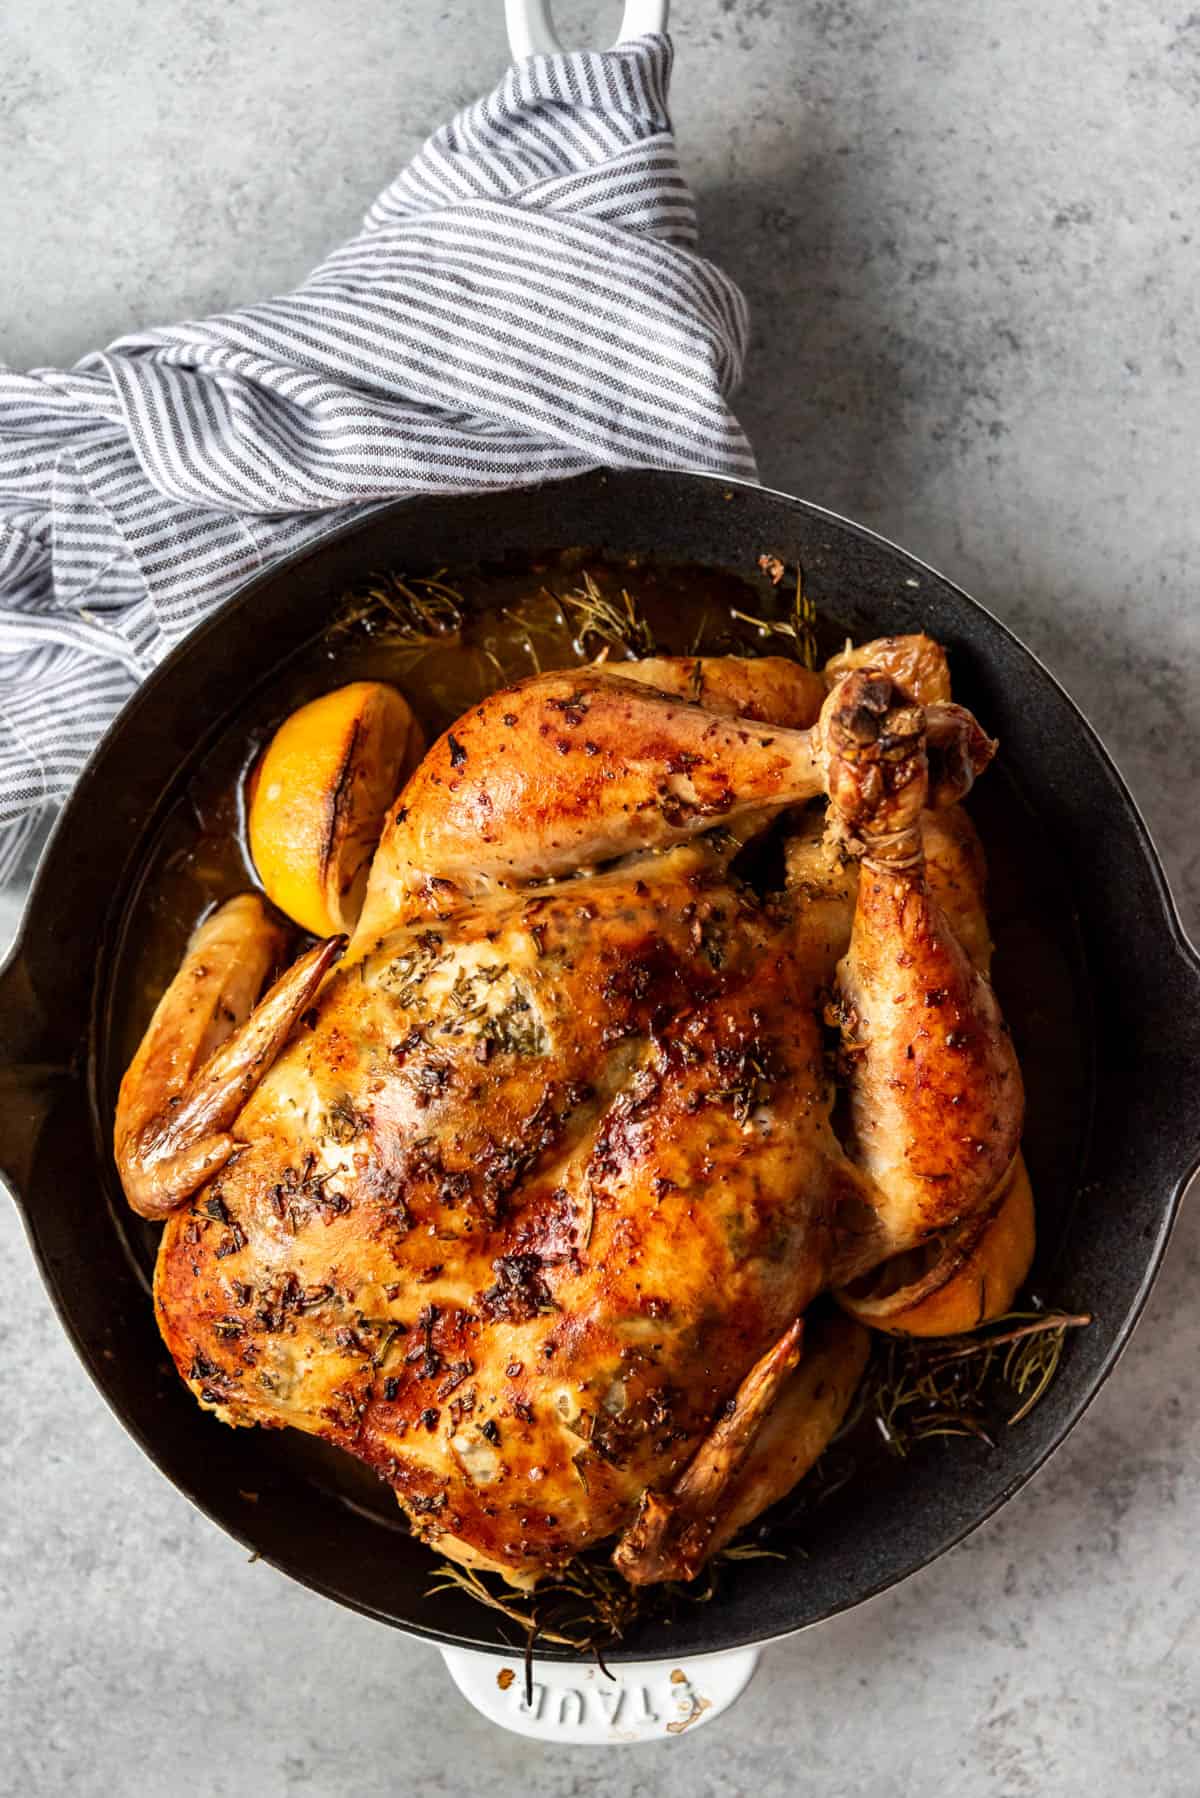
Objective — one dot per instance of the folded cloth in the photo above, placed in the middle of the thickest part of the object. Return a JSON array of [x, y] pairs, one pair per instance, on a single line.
[[523, 302]]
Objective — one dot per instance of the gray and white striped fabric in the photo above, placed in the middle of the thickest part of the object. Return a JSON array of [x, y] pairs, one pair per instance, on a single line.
[[524, 301]]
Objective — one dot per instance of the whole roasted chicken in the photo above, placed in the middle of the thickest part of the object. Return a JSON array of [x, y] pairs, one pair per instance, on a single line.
[[521, 1195]]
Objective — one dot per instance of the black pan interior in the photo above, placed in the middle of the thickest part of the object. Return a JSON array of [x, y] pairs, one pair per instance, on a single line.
[[1111, 1059]]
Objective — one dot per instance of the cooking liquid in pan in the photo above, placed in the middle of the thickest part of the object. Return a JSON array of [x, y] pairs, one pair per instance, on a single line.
[[514, 625]]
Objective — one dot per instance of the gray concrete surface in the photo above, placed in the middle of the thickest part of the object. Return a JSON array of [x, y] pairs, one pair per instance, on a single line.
[[967, 233]]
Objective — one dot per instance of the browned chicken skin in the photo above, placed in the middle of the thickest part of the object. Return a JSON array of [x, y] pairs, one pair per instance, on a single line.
[[525, 1212]]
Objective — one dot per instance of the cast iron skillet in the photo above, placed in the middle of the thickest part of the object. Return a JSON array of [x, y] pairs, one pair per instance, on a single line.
[[1107, 998]]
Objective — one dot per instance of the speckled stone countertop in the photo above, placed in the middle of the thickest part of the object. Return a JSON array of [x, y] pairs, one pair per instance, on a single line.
[[966, 233]]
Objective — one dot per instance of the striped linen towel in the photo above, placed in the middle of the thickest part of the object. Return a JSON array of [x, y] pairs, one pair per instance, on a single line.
[[523, 302]]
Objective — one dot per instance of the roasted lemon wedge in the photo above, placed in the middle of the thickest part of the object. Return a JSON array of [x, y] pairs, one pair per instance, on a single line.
[[318, 795]]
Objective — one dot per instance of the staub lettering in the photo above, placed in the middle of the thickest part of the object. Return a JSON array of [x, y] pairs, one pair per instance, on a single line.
[[612, 1702]]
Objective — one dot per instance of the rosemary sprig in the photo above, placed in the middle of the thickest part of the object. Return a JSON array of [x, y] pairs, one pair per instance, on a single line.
[[752, 1551], [965, 1385], [597, 618], [586, 1606], [416, 612], [1032, 1362]]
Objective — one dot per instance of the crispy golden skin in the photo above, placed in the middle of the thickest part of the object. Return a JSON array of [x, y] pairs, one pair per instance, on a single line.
[[577, 1148]]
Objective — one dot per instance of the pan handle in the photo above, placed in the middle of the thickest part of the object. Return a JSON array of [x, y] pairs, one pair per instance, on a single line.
[[531, 32], [640, 1701]]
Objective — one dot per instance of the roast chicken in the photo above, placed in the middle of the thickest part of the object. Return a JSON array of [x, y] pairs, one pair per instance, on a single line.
[[521, 1194]]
